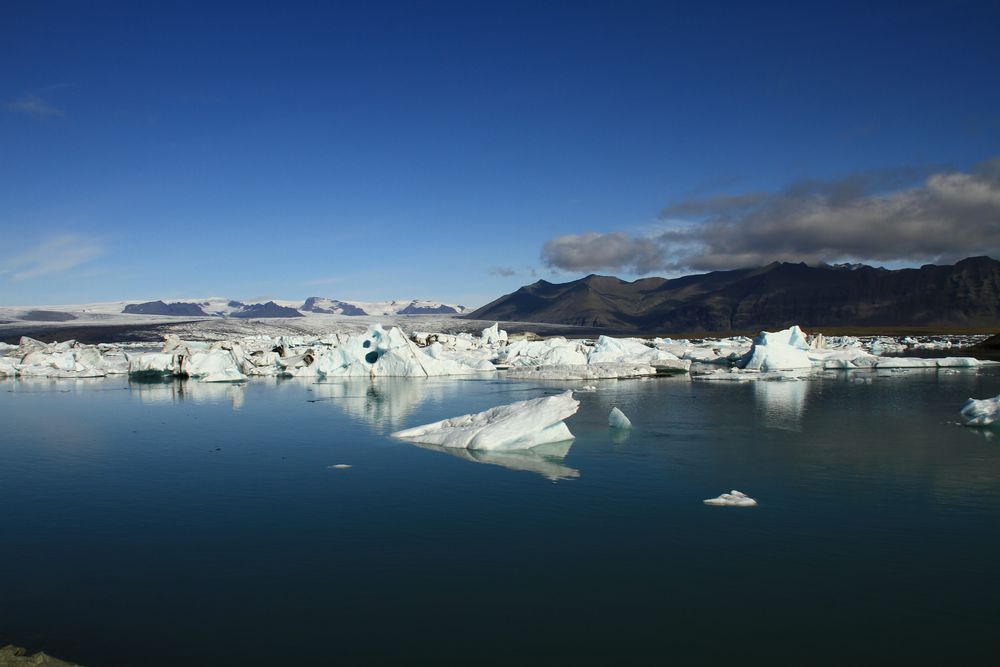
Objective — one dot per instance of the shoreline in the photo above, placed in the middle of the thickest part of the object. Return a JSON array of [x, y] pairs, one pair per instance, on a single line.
[[16, 656], [142, 332]]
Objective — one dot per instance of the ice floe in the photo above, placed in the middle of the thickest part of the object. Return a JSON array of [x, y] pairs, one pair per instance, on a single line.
[[600, 371], [732, 499], [519, 425], [943, 362]]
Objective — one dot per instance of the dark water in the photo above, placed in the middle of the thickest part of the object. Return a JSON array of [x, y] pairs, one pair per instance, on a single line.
[[170, 524]]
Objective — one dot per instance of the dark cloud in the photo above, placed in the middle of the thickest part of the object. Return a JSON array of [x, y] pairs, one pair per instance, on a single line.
[[504, 271], [33, 105], [866, 217], [594, 252]]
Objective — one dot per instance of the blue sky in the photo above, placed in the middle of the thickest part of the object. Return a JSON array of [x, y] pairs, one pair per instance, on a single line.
[[459, 150]]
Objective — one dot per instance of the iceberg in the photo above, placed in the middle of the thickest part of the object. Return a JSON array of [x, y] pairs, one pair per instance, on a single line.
[[617, 419], [212, 366], [388, 353], [68, 359], [154, 363], [984, 412], [377, 352], [601, 371], [549, 352], [631, 350], [732, 499], [778, 351], [494, 336], [911, 362], [8, 367], [520, 425]]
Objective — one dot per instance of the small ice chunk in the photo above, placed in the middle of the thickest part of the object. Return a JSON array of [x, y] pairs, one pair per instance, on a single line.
[[732, 499], [983, 412], [617, 419]]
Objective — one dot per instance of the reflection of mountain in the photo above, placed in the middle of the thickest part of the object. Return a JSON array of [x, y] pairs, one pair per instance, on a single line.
[[385, 403], [545, 460], [781, 402], [173, 390]]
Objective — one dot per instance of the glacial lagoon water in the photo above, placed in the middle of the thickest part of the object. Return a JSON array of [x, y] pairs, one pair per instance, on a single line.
[[185, 523]]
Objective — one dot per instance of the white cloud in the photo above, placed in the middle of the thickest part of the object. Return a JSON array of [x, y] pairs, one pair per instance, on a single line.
[[55, 255], [33, 105]]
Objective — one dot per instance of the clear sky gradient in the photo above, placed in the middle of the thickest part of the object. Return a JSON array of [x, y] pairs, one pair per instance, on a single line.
[[431, 150]]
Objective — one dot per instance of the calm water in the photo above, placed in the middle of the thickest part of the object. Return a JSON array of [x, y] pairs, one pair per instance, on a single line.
[[183, 523]]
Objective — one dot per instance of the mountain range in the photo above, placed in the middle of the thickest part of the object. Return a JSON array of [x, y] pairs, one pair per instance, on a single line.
[[966, 294], [314, 304]]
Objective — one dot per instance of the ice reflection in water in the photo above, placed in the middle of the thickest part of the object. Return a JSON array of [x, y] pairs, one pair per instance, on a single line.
[[545, 460], [781, 402], [619, 436], [172, 391], [384, 403]]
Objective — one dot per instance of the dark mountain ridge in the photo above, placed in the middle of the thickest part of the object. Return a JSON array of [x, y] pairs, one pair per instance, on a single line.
[[176, 309], [966, 294]]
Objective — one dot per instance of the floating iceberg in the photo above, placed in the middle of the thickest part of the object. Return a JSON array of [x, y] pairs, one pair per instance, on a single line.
[[944, 362], [68, 359], [632, 351], [617, 419], [213, 366], [983, 412], [520, 425], [732, 499], [494, 336], [8, 367], [154, 363], [602, 371], [377, 352], [778, 351], [549, 352], [388, 353]]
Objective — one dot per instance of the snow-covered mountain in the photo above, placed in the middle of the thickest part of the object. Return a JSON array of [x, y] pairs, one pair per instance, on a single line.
[[225, 308], [318, 304]]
